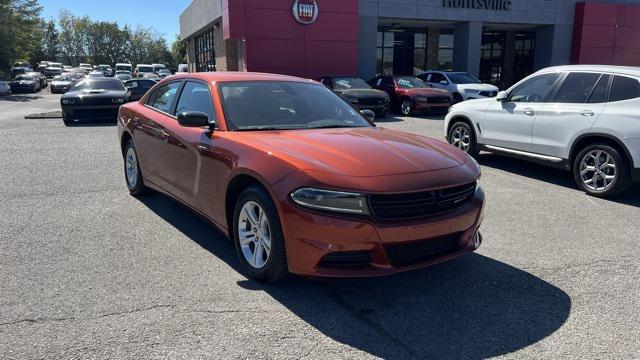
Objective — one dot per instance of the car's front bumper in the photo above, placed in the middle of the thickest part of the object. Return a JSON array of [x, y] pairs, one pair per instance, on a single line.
[[312, 237], [93, 112], [426, 106]]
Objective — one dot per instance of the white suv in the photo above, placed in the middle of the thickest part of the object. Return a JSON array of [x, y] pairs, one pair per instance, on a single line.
[[585, 119], [463, 86]]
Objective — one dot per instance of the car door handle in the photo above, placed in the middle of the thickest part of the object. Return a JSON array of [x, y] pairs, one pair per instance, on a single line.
[[587, 113], [529, 112]]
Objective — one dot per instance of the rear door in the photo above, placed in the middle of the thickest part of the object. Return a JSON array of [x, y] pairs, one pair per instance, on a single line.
[[509, 124], [571, 111]]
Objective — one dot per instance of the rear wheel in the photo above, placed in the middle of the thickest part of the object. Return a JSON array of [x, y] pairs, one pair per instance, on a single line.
[[258, 236], [462, 136], [132, 173], [600, 170]]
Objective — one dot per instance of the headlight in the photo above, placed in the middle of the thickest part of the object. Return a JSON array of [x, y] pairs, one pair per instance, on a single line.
[[421, 98], [328, 200], [68, 101]]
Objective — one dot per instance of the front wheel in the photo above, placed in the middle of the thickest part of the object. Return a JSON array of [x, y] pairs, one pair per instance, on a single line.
[[405, 107], [600, 170], [462, 136], [258, 236]]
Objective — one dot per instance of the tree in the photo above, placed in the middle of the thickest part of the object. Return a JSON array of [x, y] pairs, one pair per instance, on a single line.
[[20, 31], [73, 36], [178, 52], [50, 41]]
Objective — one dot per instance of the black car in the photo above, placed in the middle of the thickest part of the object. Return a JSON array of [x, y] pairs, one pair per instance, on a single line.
[[93, 99], [40, 77], [19, 68], [25, 83], [138, 87], [359, 93]]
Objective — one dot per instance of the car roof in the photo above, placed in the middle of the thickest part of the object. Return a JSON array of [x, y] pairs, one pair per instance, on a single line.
[[627, 70], [229, 76]]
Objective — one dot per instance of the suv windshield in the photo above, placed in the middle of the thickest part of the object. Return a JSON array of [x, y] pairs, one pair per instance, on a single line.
[[145, 69], [408, 82], [102, 67], [99, 84], [283, 105], [463, 78], [349, 83]]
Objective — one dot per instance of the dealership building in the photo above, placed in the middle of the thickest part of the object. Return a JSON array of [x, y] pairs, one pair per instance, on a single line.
[[500, 41]]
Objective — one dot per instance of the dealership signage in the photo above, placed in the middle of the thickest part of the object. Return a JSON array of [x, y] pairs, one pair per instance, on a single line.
[[497, 5], [305, 11]]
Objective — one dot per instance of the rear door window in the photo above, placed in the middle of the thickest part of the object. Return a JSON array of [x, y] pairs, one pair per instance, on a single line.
[[576, 88], [624, 88], [599, 94]]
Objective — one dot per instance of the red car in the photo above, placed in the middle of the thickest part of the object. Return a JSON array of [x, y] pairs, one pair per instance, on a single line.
[[300, 180], [411, 95]]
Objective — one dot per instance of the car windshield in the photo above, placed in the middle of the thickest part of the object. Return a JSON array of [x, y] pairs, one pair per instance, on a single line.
[[348, 83], [55, 65], [24, 77], [123, 67], [283, 105], [463, 78], [21, 64], [99, 84], [145, 69], [164, 71], [408, 82], [61, 78], [102, 67]]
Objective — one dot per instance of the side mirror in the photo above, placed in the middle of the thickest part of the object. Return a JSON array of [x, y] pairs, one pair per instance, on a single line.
[[370, 115], [502, 96], [194, 119]]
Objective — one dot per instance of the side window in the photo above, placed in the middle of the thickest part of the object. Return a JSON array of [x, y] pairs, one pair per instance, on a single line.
[[196, 97], [624, 88], [163, 98], [576, 88], [437, 78], [599, 94], [534, 90]]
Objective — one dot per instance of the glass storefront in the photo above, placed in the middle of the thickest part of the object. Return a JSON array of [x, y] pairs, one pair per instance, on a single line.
[[205, 53], [503, 62], [492, 57], [402, 51]]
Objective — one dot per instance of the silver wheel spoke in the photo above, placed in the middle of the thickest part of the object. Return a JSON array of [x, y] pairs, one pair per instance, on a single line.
[[254, 234], [598, 170]]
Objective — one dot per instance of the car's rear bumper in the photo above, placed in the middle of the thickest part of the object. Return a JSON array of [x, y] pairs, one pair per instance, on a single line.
[[318, 244], [101, 112]]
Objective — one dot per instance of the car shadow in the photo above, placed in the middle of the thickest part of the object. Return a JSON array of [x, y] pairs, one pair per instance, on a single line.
[[93, 123], [20, 97], [473, 307], [548, 174]]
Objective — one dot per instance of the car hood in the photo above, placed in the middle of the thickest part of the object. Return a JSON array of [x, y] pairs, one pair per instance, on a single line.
[[426, 92], [96, 93], [363, 93], [357, 152], [479, 87]]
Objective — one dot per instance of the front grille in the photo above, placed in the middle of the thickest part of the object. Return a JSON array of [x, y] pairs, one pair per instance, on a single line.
[[439, 99], [415, 205], [420, 251], [346, 259], [93, 100], [488, 93], [371, 101]]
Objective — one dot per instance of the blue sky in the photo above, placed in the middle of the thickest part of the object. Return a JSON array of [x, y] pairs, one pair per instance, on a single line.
[[158, 14]]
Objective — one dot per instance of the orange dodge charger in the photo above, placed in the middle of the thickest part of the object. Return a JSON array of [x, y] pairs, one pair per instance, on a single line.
[[301, 181]]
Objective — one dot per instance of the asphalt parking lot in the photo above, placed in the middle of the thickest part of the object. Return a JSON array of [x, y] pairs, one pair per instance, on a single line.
[[87, 271]]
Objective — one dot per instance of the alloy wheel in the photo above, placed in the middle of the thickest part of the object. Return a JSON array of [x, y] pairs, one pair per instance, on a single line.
[[598, 170], [132, 168], [254, 234], [461, 138], [405, 108]]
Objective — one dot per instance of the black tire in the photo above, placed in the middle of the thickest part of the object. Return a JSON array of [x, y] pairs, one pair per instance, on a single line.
[[136, 187], [470, 147], [457, 98], [405, 107], [622, 180], [275, 268]]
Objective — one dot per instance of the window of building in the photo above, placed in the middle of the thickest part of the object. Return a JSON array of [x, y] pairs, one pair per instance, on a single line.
[[205, 52], [401, 51], [524, 49], [445, 50], [492, 57]]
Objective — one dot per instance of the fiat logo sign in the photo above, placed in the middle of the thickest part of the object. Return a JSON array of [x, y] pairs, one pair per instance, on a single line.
[[305, 11]]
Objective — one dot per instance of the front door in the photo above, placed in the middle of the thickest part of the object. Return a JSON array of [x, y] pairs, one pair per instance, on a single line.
[[509, 124]]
